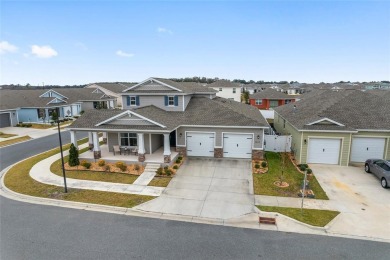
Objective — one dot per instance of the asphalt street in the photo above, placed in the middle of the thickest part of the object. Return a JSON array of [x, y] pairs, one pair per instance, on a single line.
[[45, 232], [30, 231], [14, 153]]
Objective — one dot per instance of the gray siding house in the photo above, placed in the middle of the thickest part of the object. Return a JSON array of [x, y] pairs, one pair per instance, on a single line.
[[161, 117]]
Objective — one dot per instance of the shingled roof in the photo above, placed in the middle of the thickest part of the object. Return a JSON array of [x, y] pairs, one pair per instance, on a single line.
[[351, 109], [116, 87], [200, 111], [270, 94]]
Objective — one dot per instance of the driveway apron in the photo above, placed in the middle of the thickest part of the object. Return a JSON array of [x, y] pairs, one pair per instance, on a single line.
[[208, 188]]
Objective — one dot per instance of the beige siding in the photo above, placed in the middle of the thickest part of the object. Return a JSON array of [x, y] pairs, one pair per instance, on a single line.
[[157, 141], [112, 139], [287, 129], [258, 143], [377, 134], [158, 101], [152, 86]]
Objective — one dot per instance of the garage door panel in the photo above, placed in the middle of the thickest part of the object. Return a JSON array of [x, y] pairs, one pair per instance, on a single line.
[[324, 150], [200, 144], [237, 145], [364, 148], [5, 120]]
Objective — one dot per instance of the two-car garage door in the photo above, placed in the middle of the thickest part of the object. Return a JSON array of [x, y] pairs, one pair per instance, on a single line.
[[234, 145], [5, 120]]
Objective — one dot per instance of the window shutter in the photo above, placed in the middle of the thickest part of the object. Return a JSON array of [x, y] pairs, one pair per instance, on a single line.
[[166, 100], [137, 100], [128, 100], [176, 101]]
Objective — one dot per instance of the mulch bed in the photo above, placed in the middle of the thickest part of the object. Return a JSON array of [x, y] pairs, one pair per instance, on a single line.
[[96, 168], [261, 170]]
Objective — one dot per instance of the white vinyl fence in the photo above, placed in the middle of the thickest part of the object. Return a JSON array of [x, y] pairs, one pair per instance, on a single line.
[[277, 143]]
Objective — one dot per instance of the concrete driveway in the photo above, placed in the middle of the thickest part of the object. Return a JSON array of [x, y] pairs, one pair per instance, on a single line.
[[363, 203], [207, 188]]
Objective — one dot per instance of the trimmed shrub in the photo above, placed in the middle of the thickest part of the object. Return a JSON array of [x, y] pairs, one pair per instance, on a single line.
[[302, 167], [263, 164], [121, 166], [166, 168], [101, 163], [136, 167], [168, 172], [175, 167], [180, 158], [257, 166], [107, 168], [73, 156], [86, 164], [159, 171], [309, 171], [178, 161]]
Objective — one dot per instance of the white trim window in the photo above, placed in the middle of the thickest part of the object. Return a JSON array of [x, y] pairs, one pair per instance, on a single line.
[[234, 90], [259, 102], [133, 100], [128, 139], [171, 101]]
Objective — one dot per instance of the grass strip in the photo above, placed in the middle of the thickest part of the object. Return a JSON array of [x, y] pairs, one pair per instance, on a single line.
[[18, 179], [160, 181], [4, 135], [15, 140], [314, 217], [263, 184]]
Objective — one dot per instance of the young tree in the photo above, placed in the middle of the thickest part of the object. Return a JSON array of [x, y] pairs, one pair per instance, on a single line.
[[73, 156], [54, 116]]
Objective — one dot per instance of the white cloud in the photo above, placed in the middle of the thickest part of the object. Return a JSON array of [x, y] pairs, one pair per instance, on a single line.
[[124, 54], [7, 47], [164, 30], [43, 51]]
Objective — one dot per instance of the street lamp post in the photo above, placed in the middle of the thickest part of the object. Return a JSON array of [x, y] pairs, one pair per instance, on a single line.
[[62, 156], [304, 189]]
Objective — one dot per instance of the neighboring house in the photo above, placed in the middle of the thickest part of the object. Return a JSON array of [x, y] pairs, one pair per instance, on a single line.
[[227, 89], [160, 114], [269, 98], [112, 89], [377, 85], [254, 88], [37, 106], [339, 128]]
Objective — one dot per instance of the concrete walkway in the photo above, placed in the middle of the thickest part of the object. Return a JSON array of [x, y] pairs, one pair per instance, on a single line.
[[147, 175], [294, 202], [41, 172]]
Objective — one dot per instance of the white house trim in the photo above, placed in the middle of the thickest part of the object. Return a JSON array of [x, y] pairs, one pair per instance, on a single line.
[[151, 80], [129, 113], [53, 101], [325, 119], [51, 91]]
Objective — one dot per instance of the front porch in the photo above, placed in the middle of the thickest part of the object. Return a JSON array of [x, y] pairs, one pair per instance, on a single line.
[[155, 157]]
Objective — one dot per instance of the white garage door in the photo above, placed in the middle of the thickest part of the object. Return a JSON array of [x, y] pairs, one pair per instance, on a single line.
[[237, 145], [367, 148], [323, 150], [200, 144]]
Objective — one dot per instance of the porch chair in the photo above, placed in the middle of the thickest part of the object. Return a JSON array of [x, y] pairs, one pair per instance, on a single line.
[[116, 149], [135, 150]]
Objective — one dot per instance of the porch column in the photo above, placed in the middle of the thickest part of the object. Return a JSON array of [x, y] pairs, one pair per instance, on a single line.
[[73, 139], [96, 146], [90, 141], [167, 149], [105, 137], [47, 118], [141, 147]]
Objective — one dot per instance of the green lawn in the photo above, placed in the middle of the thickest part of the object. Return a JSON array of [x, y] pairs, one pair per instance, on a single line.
[[264, 183], [18, 179], [160, 181], [14, 140], [4, 135], [314, 217]]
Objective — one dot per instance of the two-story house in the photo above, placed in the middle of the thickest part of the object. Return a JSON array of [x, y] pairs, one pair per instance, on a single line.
[[162, 118], [38, 105], [112, 89], [270, 98], [227, 89]]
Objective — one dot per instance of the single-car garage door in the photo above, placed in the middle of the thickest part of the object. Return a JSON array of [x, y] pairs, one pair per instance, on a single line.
[[237, 145], [5, 120], [367, 148], [323, 150], [200, 144]]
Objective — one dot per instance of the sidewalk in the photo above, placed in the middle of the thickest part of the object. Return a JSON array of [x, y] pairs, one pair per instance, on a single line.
[[41, 172], [33, 133], [294, 202]]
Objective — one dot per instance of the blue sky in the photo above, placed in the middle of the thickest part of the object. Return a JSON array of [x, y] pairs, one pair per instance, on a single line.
[[79, 42]]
